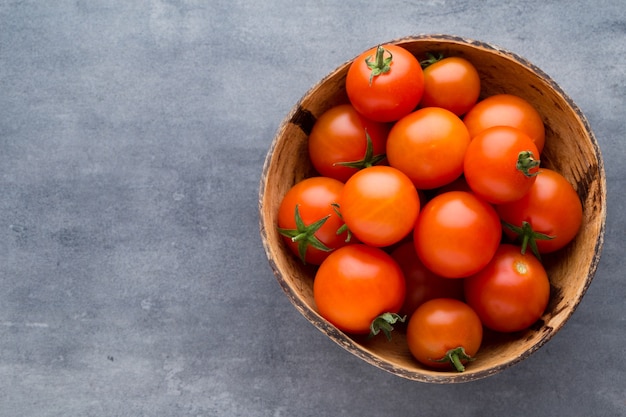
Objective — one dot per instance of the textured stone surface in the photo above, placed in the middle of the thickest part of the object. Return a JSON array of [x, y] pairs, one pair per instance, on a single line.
[[132, 278]]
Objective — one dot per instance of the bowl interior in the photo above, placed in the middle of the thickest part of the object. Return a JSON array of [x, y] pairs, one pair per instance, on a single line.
[[570, 149]]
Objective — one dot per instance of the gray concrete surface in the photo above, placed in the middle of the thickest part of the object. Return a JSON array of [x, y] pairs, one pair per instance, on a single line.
[[132, 278]]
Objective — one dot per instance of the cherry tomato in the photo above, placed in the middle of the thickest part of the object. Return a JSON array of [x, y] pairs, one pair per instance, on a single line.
[[550, 209], [501, 164], [452, 83], [385, 83], [379, 205], [338, 143], [456, 234], [444, 333], [428, 145], [511, 293], [355, 285], [506, 110], [421, 283], [308, 221]]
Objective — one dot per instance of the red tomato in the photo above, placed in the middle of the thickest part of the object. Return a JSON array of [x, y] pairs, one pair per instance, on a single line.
[[421, 283], [444, 333], [338, 144], [511, 293], [501, 163], [506, 110], [355, 285], [550, 208], [385, 83], [379, 205], [451, 83], [428, 145], [313, 199], [456, 234]]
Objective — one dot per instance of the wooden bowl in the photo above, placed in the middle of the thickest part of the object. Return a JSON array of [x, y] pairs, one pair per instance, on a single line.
[[570, 148]]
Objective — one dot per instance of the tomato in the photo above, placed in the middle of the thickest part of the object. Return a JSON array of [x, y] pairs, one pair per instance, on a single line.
[[338, 143], [444, 333], [379, 205], [421, 283], [385, 83], [452, 83], [501, 164], [456, 234], [308, 221], [428, 145], [550, 209], [511, 293], [355, 285], [506, 110]]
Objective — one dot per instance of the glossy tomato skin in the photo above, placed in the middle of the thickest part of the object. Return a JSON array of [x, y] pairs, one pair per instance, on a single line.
[[421, 283], [452, 83], [506, 110], [456, 234], [551, 207], [440, 325], [379, 205], [356, 284], [429, 146], [314, 197], [490, 164], [338, 136], [511, 293], [390, 95]]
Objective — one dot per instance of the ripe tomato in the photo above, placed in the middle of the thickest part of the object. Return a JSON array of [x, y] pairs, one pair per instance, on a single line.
[[307, 220], [379, 205], [456, 234], [444, 333], [338, 144], [501, 163], [506, 110], [385, 83], [550, 208], [421, 283], [428, 145], [511, 293], [355, 285], [451, 83]]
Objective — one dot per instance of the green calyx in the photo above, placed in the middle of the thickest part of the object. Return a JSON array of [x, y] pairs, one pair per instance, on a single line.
[[368, 160], [526, 162], [455, 357], [384, 323], [380, 65], [431, 59], [528, 237], [304, 235], [344, 226]]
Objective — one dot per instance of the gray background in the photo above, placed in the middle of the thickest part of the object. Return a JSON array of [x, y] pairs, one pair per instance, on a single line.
[[132, 277]]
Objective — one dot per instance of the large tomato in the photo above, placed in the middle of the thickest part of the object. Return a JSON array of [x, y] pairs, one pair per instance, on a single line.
[[511, 293], [501, 164], [338, 143], [444, 333], [379, 205], [421, 283], [308, 220], [549, 215], [385, 83], [456, 234], [428, 145], [355, 285], [506, 110], [452, 83]]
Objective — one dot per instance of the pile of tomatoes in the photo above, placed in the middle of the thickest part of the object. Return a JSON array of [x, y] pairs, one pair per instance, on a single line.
[[431, 207]]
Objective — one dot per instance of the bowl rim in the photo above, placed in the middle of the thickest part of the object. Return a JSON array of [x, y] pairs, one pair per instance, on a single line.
[[345, 341]]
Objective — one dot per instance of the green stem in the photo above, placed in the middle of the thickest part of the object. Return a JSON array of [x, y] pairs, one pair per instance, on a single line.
[[525, 162], [455, 357], [384, 323], [304, 235], [368, 160], [381, 65], [528, 237]]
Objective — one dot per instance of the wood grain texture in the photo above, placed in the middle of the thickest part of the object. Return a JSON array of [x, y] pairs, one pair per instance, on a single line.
[[571, 149]]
